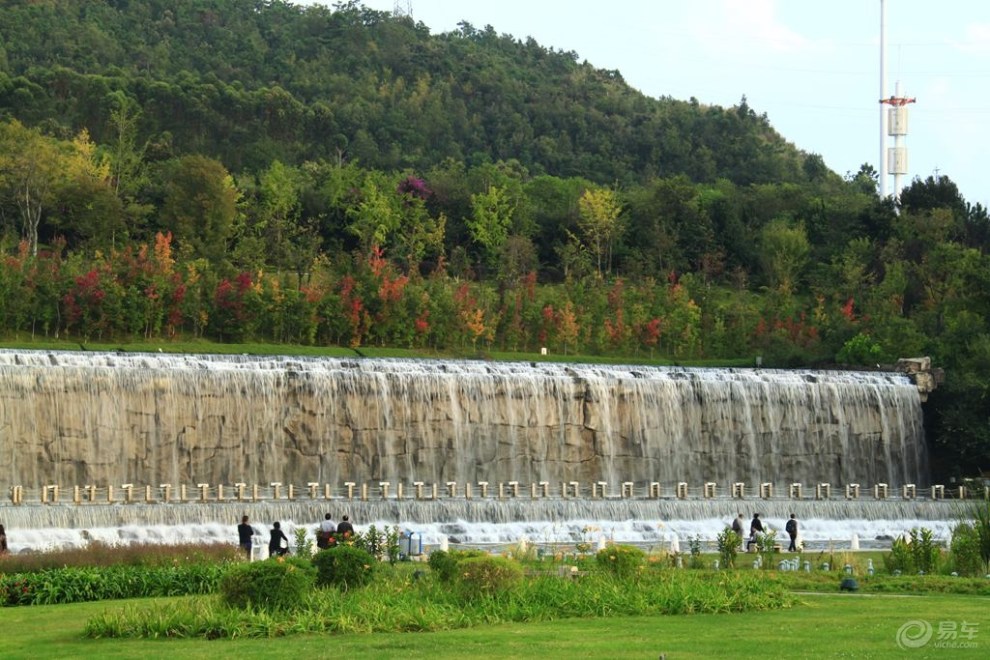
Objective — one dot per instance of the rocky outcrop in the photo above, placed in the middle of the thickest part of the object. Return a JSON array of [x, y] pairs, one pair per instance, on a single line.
[[920, 371]]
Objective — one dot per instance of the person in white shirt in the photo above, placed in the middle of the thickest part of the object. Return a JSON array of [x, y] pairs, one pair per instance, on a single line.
[[327, 528]]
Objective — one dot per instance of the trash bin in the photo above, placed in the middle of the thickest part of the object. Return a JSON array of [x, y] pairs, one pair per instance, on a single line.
[[413, 543]]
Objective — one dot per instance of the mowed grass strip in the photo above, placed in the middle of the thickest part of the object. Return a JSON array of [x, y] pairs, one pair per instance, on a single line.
[[822, 626]]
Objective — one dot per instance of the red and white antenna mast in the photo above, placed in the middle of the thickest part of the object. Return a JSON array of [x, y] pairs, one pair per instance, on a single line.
[[881, 164], [897, 127]]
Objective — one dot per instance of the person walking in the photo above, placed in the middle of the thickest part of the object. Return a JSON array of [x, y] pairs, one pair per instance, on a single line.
[[275, 547], [244, 536], [3, 541], [739, 527], [755, 527], [792, 531]]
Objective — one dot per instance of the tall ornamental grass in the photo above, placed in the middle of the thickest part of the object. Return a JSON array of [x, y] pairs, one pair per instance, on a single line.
[[397, 603], [74, 584]]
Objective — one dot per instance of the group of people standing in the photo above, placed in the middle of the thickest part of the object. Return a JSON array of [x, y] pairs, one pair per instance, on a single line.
[[756, 527], [278, 542]]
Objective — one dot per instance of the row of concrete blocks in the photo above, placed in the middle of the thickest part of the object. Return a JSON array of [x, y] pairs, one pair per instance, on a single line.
[[241, 492]]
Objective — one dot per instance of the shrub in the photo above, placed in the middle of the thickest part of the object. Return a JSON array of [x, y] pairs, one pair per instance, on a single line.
[[965, 550], [444, 563], [621, 560], [487, 575], [728, 547], [980, 512], [344, 566], [277, 584], [899, 559]]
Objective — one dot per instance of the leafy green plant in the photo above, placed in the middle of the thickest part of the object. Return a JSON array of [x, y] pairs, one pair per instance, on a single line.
[[728, 547], [344, 566], [621, 560], [487, 575], [383, 544], [303, 546], [694, 544], [924, 550], [276, 584], [766, 544]]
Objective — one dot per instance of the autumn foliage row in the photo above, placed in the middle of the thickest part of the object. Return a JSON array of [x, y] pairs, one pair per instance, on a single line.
[[143, 291]]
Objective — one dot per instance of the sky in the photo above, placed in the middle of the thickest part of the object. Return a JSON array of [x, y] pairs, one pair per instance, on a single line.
[[812, 67]]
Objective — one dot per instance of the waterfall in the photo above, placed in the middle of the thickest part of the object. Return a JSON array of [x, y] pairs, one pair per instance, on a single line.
[[114, 418], [104, 419], [824, 524]]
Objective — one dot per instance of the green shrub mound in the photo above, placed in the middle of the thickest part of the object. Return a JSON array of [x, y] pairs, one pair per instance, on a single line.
[[621, 560], [277, 584], [344, 566], [443, 563], [488, 576]]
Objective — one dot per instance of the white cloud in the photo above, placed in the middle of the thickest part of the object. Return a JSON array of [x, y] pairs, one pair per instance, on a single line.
[[977, 40], [739, 27]]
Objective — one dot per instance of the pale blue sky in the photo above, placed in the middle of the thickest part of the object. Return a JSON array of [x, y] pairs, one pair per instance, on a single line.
[[812, 67]]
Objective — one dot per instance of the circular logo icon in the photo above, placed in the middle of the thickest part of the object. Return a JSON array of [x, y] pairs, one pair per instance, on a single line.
[[914, 634]]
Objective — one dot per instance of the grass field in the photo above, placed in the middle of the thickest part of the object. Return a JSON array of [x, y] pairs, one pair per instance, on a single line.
[[823, 626]]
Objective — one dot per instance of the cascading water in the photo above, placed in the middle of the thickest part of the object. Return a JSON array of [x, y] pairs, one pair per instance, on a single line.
[[114, 418]]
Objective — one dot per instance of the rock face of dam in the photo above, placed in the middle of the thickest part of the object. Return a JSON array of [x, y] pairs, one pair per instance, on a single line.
[[116, 418]]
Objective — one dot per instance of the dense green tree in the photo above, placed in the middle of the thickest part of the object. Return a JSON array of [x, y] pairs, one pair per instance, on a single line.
[[31, 172], [199, 206]]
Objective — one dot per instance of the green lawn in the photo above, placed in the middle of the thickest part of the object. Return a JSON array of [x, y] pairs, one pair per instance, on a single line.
[[824, 626]]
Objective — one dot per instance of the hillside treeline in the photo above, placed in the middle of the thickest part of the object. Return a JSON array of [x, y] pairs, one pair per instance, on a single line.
[[261, 171]]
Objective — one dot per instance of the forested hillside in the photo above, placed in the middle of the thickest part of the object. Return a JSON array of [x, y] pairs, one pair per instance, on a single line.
[[259, 170]]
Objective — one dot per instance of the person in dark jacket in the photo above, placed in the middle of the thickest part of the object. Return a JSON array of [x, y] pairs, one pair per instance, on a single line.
[[792, 530], [275, 548], [345, 528], [244, 534], [755, 527]]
